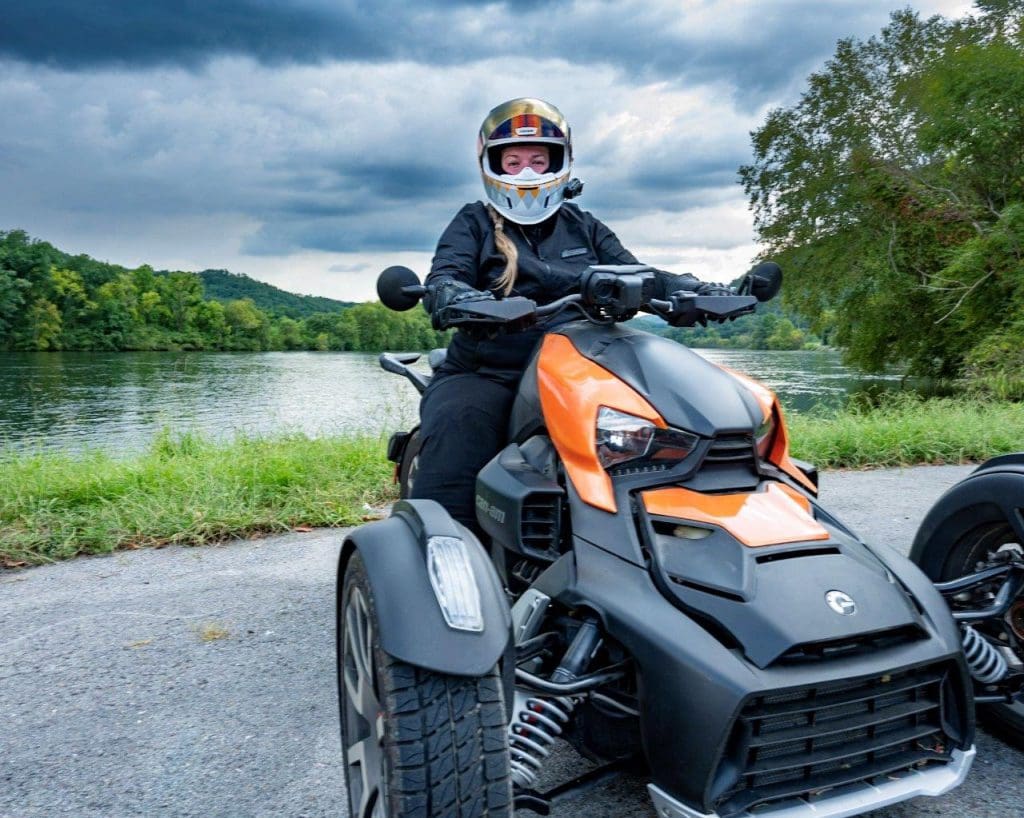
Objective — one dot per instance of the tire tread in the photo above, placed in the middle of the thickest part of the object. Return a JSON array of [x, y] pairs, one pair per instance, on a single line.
[[449, 752]]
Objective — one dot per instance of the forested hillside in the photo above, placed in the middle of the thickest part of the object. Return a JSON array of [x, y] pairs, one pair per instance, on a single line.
[[225, 286], [892, 194], [50, 300]]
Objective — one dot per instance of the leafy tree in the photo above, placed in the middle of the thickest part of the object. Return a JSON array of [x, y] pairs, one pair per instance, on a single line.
[[889, 190], [248, 328], [286, 333], [117, 323], [211, 322], [13, 291], [43, 327]]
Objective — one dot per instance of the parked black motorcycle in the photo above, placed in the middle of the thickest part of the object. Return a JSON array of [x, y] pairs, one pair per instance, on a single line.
[[658, 583]]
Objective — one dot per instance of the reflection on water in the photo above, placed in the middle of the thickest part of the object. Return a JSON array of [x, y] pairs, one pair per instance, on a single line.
[[118, 401]]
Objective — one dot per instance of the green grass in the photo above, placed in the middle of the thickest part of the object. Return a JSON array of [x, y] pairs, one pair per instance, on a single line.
[[190, 490], [906, 430], [184, 490]]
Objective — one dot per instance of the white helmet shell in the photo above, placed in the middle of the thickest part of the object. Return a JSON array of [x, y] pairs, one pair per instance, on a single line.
[[528, 197]]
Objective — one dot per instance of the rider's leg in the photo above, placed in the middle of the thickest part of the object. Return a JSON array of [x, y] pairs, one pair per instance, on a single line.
[[463, 424]]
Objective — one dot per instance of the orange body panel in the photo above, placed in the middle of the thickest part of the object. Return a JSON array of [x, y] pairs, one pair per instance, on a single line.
[[779, 514], [779, 454], [572, 388]]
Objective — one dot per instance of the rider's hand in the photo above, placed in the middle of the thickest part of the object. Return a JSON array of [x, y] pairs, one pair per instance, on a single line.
[[712, 288], [446, 293], [668, 285]]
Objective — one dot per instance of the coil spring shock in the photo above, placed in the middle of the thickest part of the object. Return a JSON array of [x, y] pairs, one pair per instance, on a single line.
[[538, 722], [532, 733], [983, 658]]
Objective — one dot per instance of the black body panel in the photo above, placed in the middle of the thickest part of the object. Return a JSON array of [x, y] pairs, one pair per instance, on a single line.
[[689, 392], [411, 625], [693, 687], [772, 600], [519, 506]]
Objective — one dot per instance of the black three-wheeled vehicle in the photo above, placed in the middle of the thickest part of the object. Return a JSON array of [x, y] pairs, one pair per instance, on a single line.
[[659, 585]]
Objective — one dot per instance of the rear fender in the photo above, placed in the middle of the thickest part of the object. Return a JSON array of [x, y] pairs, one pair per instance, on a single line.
[[411, 625]]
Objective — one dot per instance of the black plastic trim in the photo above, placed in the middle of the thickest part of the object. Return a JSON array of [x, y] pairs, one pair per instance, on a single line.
[[411, 625]]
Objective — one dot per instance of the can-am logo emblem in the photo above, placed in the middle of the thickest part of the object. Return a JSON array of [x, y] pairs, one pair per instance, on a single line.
[[841, 603]]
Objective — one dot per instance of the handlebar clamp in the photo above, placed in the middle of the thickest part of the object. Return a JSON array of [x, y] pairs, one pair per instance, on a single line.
[[617, 295]]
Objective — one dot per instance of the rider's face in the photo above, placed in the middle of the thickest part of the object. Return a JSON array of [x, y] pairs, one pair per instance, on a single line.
[[516, 157]]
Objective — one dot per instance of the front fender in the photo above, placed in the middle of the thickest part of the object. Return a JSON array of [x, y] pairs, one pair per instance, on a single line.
[[411, 625]]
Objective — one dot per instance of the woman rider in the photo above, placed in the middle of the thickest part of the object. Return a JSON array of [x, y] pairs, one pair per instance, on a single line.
[[526, 240]]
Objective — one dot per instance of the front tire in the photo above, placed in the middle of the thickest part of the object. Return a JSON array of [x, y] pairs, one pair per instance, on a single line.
[[416, 744]]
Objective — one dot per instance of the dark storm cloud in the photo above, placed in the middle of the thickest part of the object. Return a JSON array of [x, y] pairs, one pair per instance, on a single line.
[[376, 231], [758, 51], [360, 207], [753, 50], [71, 33], [74, 34], [402, 181]]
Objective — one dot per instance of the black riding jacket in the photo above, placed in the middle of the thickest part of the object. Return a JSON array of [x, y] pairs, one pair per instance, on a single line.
[[552, 255]]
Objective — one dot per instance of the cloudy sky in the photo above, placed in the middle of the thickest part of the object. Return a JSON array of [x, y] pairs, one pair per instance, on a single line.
[[309, 143]]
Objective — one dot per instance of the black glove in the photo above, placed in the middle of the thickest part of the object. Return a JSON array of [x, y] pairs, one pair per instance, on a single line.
[[445, 293], [669, 283], [711, 288]]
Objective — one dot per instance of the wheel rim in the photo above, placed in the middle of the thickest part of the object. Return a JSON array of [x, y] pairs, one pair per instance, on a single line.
[[363, 715], [979, 546]]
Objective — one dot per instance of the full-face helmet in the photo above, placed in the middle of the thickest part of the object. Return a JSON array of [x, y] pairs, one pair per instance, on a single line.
[[527, 197]]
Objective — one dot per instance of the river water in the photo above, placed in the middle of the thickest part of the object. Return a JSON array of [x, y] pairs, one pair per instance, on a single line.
[[119, 401]]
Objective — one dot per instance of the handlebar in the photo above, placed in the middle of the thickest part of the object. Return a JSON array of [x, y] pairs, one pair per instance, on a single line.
[[607, 294]]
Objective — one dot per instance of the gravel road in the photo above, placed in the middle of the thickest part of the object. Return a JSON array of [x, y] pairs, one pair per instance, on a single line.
[[200, 682]]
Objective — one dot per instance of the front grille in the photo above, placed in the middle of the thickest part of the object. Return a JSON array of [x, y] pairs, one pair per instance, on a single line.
[[731, 449], [865, 643], [802, 742]]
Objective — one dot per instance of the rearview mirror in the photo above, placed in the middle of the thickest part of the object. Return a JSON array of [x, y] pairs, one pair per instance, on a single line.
[[399, 288], [763, 282]]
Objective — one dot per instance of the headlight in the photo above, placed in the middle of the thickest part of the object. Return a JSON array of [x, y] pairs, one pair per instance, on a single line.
[[623, 438], [764, 436]]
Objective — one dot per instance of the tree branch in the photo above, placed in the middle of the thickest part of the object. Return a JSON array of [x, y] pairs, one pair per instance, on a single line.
[[970, 289]]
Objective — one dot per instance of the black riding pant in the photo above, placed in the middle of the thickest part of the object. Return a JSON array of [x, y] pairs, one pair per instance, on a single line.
[[463, 423]]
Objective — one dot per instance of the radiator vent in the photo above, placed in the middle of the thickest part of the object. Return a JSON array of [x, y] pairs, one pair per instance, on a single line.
[[801, 742]]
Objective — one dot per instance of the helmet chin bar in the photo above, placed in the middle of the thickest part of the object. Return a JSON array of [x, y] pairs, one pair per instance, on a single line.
[[526, 204]]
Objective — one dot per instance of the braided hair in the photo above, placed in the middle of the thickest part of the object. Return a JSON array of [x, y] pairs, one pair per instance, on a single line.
[[508, 249]]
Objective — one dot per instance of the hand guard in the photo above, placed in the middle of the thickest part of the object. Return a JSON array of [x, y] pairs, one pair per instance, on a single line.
[[447, 292], [685, 312]]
